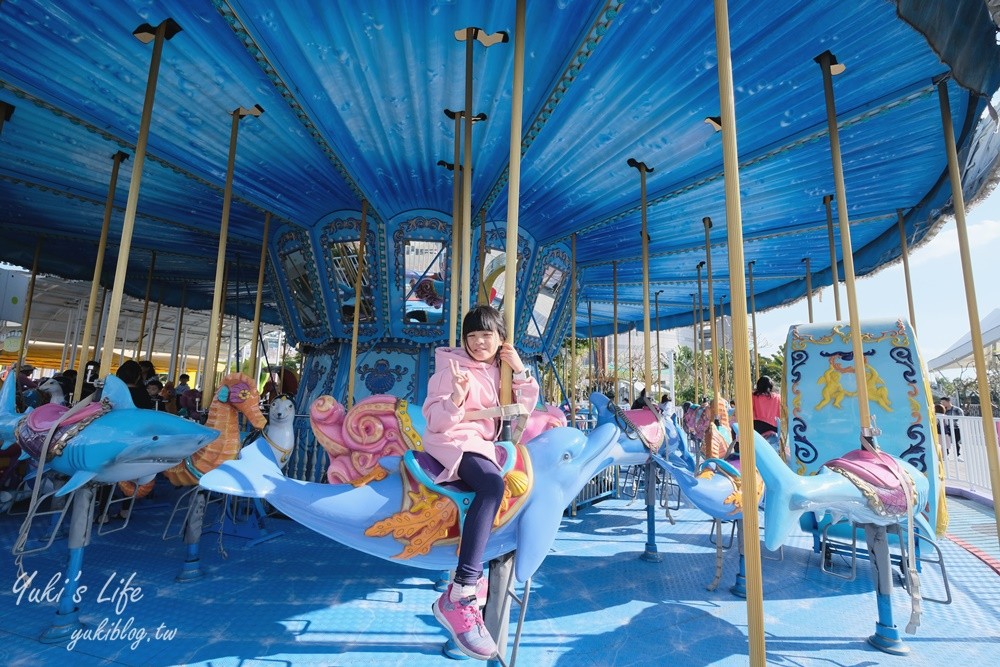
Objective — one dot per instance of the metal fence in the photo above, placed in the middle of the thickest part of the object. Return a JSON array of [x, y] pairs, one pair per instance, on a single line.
[[968, 470]]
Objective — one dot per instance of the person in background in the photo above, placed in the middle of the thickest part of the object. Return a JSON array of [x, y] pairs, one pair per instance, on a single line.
[[767, 410], [169, 397], [953, 411], [148, 371], [131, 374], [182, 384], [666, 405], [153, 388], [24, 381]]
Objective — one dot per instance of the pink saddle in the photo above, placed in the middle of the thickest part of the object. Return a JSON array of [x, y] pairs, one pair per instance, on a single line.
[[43, 418], [875, 469]]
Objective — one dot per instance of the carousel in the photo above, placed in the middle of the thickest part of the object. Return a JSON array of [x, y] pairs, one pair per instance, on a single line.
[[331, 186]]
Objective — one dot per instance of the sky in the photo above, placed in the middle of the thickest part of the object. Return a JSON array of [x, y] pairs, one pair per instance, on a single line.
[[939, 298]]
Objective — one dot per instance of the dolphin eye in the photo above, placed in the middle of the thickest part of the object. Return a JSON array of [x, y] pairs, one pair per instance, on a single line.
[[155, 438], [567, 456]]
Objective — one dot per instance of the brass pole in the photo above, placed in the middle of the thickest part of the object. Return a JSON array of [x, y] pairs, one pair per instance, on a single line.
[[456, 235], [484, 290], [95, 284], [356, 329], [217, 345], [26, 319], [255, 329], [590, 340], [466, 278], [214, 330], [906, 268], [694, 335], [834, 270], [809, 288], [145, 303], [646, 342], [975, 331], [738, 311], [753, 325], [701, 335], [572, 328], [825, 61], [167, 29], [722, 344], [659, 359], [156, 323], [177, 339], [513, 196], [716, 389], [614, 315]]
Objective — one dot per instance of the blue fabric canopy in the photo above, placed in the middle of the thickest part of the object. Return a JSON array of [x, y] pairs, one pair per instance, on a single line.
[[354, 95]]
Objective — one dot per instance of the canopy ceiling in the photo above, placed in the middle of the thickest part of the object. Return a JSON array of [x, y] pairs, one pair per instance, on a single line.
[[353, 96]]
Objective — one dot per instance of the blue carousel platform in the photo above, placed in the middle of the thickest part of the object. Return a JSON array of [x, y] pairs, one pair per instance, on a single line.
[[300, 599]]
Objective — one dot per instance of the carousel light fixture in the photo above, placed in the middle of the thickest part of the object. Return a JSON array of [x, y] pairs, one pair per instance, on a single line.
[[146, 33], [715, 122], [835, 67], [6, 111]]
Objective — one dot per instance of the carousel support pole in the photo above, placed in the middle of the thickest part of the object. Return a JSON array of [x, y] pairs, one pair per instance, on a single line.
[[659, 358], [496, 615], [722, 341], [145, 304], [470, 36], [26, 319], [650, 554], [356, 327], [829, 65], [958, 199], [694, 338], [68, 614], [221, 322], [741, 353], [834, 271], [102, 319], [905, 252], [590, 341], [739, 589], [456, 229], [77, 331], [701, 335], [191, 569], [156, 324], [178, 365], [886, 637], [716, 388], [753, 325], [809, 288], [572, 330], [484, 290], [218, 293], [255, 333], [614, 315], [95, 283], [158, 35], [66, 342]]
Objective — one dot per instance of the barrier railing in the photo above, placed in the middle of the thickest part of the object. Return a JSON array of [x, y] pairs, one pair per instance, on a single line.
[[963, 445]]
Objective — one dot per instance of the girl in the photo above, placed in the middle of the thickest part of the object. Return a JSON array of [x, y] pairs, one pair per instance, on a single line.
[[467, 379], [766, 410]]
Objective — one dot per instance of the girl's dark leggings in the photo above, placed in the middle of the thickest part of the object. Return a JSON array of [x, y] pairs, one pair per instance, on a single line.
[[483, 476]]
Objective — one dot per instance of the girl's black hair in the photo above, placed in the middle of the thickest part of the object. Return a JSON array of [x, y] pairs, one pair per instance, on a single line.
[[484, 318], [764, 386]]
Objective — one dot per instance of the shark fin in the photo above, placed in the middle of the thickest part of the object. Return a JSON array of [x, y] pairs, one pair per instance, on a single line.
[[117, 393], [76, 481]]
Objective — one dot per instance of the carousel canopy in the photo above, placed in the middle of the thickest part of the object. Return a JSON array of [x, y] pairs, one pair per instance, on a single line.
[[354, 94]]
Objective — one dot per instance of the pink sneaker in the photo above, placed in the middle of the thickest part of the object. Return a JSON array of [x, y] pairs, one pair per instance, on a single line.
[[464, 622]]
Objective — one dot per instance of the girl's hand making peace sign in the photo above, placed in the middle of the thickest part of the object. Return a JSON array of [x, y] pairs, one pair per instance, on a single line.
[[459, 383]]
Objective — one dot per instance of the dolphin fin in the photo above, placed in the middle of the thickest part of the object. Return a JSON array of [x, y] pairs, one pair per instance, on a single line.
[[76, 481], [8, 391], [782, 486], [252, 475]]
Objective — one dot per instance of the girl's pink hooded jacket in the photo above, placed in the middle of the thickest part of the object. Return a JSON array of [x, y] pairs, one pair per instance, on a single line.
[[448, 435]]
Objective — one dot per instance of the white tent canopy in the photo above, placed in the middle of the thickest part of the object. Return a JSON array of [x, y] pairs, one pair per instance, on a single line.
[[959, 355]]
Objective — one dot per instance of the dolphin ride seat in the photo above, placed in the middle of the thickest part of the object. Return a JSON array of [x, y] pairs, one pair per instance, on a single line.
[[820, 399]]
